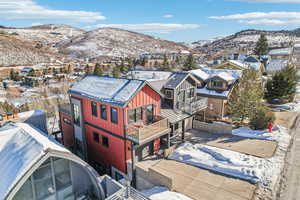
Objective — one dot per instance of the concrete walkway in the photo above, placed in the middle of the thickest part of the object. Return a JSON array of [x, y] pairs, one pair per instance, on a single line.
[[200, 184]]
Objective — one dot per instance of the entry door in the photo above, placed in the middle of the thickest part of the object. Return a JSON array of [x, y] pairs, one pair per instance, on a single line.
[[78, 128], [188, 123]]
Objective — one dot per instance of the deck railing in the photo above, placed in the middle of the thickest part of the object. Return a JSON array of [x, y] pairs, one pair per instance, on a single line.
[[195, 105], [127, 193], [139, 133]]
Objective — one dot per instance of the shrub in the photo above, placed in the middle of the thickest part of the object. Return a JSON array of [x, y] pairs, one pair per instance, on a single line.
[[261, 118]]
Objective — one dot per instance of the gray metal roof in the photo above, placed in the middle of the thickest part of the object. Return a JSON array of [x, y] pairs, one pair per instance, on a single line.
[[174, 116], [176, 79]]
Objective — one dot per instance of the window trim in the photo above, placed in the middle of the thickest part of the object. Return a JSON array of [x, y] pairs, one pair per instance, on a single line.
[[111, 115], [98, 136], [103, 138], [215, 82], [171, 94], [94, 110], [101, 113]]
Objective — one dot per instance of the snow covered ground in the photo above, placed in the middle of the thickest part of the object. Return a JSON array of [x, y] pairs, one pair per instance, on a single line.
[[263, 171], [162, 193]]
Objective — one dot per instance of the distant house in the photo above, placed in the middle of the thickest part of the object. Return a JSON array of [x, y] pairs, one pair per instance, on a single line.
[[281, 54], [216, 85], [33, 166], [276, 65], [279, 59], [249, 63]]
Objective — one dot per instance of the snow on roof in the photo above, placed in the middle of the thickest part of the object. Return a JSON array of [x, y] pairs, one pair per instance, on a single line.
[[236, 74], [254, 65], [238, 63], [107, 89], [200, 74], [225, 76], [276, 65], [176, 79], [163, 193], [278, 52], [206, 92], [149, 75], [21, 146], [297, 45]]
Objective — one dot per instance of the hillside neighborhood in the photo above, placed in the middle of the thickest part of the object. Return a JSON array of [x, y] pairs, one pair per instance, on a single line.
[[103, 112]]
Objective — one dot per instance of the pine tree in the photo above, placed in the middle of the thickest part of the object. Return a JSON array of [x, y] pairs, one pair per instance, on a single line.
[[88, 69], [262, 47], [282, 87], [98, 70], [165, 65], [190, 63], [246, 97], [123, 67], [116, 72]]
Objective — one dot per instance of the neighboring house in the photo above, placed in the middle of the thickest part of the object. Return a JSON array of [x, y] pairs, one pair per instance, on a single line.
[[276, 65], [217, 86], [34, 166], [180, 103], [250, 62], [282, 54], [279, 59], [116, 121]]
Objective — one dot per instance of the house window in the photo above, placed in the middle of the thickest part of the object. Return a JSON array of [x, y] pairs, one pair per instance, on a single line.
[[76, 111], [96, 137], [25, 192], [181, 96], [67, 121], [169, 94], [135, 115], [103, 112], [94, 108], [105, 141], [114, 115], [192, 92], [217, 84]]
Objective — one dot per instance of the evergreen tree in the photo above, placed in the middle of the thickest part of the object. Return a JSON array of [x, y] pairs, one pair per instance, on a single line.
[[88, 69], [32, 73], [190, 63], [98, 70], [116, 72], [262, 47], [165, 65], [246, 97], [123, 67], [282, 87]]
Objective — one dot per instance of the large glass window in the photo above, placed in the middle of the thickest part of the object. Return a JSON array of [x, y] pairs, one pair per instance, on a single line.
[[103, 112], [217, 84], [94, 109], [149, 113], [62, 174], [105, 141], [76, 114], [114, 115], [135, 115], [43, 181], [25, 192], [96, 137]]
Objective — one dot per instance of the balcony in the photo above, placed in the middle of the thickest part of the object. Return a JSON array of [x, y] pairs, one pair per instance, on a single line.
[[192, 106], [141, 133]]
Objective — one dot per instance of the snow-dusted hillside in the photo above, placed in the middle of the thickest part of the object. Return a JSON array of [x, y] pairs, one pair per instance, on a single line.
[[15, 51], [45, 34], [117, 43]]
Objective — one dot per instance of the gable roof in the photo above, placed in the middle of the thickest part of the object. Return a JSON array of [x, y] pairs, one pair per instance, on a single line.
[[21, 146], [239, 64], [225, 76], [200, 74], [115, 91], [281, 52], [149, 75], [177, 78]]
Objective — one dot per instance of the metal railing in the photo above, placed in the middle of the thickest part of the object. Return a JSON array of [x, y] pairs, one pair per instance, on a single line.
[[141, 132], [194, 105], [127, 193]]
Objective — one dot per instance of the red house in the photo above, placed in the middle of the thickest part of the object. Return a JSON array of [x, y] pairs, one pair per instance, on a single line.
[[116, 122]]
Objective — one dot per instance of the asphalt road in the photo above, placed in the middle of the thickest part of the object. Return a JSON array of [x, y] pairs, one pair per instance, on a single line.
[[292, 182]]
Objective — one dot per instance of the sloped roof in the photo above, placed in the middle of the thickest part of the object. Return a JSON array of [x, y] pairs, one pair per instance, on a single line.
[[239, 64], [236, 74], [279, 52], [21, 146], [176, 79], [149, 75], [225, 76], [276, 65], [117, 91], [200, 74]]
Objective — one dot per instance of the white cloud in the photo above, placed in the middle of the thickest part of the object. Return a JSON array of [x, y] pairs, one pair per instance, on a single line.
[[150, 28], [264, 18], [168, 16], [29, 10]]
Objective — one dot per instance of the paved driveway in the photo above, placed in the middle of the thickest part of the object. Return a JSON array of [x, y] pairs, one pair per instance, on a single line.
[[201, 184], [258, 148]]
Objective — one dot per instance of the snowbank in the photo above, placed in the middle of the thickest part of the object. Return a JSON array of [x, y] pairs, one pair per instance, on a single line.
[[162, 193], [263, 171]]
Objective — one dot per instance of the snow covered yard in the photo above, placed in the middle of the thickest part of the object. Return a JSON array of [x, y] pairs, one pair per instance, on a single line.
[[264, 171], [163, 193]]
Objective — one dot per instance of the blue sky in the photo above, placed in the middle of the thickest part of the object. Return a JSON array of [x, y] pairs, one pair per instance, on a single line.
[[177, 20]]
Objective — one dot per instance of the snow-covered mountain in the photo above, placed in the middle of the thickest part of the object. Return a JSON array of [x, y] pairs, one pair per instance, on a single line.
[[114, 42], [248, 39], [44, 34]]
